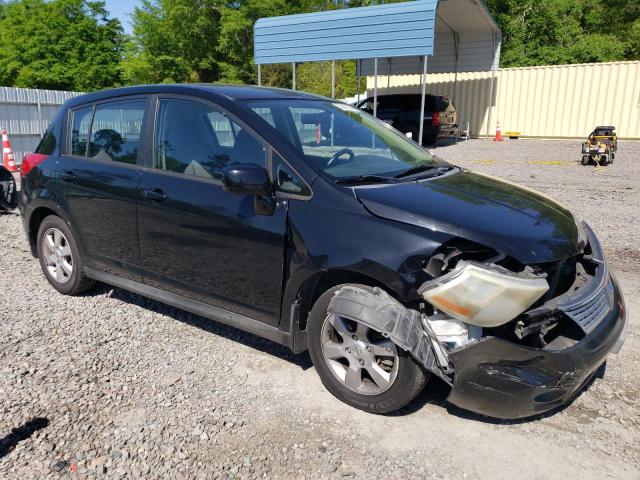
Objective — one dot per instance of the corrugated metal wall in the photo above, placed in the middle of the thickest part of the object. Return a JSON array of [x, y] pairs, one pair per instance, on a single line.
[[551, 101], [26, 113]]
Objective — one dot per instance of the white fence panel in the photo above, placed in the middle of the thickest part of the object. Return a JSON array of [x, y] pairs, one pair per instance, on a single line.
[[26, 112]]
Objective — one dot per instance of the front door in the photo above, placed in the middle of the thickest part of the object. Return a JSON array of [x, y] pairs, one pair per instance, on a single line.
[[99, 179], [197, 240]]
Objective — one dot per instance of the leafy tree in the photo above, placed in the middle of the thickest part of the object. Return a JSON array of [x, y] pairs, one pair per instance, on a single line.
[[549, 32], [174, 41], [315, 77], [59, 44]]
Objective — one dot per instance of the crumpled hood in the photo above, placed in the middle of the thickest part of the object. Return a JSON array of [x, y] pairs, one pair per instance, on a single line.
[[514, 220]]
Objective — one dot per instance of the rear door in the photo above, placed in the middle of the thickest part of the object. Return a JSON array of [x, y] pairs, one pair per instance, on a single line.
[[99, 176], [197, 240]]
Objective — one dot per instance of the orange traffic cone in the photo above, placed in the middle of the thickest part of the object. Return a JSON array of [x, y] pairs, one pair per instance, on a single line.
[[498, 133], [7, 154]]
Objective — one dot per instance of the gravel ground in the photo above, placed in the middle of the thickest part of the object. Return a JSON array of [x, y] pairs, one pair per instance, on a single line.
[[112, 384]]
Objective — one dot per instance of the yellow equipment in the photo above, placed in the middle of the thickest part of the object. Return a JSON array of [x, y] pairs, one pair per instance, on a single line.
[[601, 146]]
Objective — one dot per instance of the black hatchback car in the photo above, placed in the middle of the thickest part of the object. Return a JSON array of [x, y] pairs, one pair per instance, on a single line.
[[402, 111], [313, 224]]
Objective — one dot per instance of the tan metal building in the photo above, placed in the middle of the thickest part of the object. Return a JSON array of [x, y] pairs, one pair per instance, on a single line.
[[562, 101]]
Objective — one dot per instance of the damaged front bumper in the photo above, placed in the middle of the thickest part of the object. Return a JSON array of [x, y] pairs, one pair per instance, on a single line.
[[502, 379]]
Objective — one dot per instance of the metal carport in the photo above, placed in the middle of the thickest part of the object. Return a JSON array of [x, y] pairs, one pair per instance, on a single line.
[[458, 35]]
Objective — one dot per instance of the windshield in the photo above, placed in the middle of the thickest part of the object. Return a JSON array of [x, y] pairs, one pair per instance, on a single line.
[[341, 140]]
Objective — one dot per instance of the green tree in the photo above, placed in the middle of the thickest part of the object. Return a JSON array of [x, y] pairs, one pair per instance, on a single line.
[[213, 41], [174, 41], [315, 77], [551, 32], [59, 44]]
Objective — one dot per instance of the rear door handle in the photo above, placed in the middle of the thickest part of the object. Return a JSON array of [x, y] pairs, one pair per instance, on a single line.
[[156, 195], [68, 176]]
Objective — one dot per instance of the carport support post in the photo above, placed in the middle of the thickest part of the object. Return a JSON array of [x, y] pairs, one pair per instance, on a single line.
[[493, 77], [358, 77], [293, 70], [259, 75], [423, 86], [375, 87], [333, 79]]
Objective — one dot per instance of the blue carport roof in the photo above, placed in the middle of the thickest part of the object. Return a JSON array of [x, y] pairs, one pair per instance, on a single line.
[[391, 30]]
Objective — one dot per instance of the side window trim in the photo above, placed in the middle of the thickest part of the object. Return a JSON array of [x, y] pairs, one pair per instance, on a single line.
[[152, 128], [279, 193], [69, 133], [141, 137], [155, 111], [142, 152]]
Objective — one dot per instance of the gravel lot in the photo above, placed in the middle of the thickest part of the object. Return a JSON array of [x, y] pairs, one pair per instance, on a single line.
[[112, 384]]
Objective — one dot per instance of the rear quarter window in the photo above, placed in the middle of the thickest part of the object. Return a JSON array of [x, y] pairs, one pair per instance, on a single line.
[[441, 104], [49, 141]]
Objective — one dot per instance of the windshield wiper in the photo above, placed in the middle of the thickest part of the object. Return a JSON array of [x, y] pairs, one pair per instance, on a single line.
[[364, 179], [422, 168]]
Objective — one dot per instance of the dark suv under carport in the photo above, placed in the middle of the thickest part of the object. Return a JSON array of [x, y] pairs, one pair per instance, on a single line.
[[402, 111]]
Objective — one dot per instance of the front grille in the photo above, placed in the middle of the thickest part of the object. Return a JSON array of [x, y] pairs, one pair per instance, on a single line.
[[589, 313]]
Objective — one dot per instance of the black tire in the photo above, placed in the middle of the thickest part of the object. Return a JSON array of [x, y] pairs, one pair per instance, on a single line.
[[77, 281], [585, 160], [410, 379], [430, 140]]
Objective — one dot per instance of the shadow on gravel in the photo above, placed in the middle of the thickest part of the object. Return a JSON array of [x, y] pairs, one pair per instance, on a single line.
[[17, 435], [210, 326]]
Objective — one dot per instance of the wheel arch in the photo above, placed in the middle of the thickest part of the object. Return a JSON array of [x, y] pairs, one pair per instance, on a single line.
[[35, 220], [322, 281], [37, 216]]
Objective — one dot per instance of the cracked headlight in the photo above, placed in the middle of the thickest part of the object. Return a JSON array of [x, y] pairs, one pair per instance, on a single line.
[[486, 296]]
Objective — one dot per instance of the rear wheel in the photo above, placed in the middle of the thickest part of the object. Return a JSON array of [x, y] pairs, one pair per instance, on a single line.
[[357, 364], [585, 160], [59, 257]]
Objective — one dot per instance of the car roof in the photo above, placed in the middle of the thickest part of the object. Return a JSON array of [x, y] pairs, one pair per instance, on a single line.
[[405, 96], [230, 92]]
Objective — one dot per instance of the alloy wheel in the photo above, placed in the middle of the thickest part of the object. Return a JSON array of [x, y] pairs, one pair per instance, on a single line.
[[362, 359], [57, 255]]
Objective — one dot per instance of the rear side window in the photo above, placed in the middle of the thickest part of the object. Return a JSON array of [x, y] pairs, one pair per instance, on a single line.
[[115, 134], [80, 127], [197, 139], [441, 104]]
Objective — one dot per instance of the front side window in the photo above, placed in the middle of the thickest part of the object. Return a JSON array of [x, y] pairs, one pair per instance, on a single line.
[[343, 141], [197, 139], [80, 127], [115, 134]]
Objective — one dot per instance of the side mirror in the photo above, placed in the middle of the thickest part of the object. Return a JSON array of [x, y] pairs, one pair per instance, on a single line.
[[247, 179]]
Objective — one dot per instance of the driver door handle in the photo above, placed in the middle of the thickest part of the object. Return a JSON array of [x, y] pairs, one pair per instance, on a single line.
[[156, 195]]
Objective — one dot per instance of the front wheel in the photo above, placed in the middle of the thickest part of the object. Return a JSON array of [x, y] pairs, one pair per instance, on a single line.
[[357, 364]]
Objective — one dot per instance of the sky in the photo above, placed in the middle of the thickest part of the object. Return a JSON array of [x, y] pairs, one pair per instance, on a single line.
[[122, 10]]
